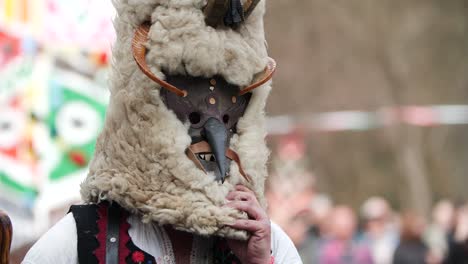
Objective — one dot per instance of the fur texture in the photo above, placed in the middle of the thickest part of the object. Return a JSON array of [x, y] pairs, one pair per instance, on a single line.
[[140, 159]]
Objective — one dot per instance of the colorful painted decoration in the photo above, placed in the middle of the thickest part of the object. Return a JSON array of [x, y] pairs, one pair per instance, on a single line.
[[86, 23], [76, 117], [10, 48], [53, 63], [18, 162]]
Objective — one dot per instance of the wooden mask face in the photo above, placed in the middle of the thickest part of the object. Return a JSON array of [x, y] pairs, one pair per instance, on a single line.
[[212, 107]]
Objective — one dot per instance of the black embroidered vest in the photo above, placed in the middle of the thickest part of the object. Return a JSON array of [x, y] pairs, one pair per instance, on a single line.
[[103, 238]]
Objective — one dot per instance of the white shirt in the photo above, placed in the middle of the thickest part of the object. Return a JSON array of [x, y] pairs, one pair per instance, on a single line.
[[59, 244]]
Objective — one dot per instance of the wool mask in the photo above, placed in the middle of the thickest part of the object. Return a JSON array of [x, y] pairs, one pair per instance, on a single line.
[[185, 122], [211, 105]]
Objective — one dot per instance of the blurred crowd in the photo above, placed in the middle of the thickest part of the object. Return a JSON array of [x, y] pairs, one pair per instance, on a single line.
[[328, 233]]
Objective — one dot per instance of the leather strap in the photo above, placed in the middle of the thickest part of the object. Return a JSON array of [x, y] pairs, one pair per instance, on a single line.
[[233, 156], [249, 6], [139, 54], [112, 239], [204, 147], [261, 78]]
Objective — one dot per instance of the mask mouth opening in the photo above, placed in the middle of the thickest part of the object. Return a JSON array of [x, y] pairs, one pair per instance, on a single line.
[[209, 163], [207, 156], [201, 155]]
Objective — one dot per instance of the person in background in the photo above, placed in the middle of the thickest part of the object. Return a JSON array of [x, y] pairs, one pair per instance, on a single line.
[[289, 197], [321, 207], [342, 247], [380, 229], [436, 236], [412, 249], [289, 192], [458, 239], [319, 230]]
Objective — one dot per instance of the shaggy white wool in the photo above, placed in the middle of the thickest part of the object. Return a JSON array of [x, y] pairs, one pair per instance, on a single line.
[[140, 159]]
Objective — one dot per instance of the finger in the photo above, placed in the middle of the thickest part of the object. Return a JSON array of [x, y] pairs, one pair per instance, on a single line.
[[251, 225], [240, 196], [242, 188], [253, 210]]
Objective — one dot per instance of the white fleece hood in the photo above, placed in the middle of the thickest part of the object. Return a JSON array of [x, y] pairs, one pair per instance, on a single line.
[[140, 159]]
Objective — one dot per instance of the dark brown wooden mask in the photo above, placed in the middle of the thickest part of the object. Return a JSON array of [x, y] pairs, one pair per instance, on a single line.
[[212, 107]]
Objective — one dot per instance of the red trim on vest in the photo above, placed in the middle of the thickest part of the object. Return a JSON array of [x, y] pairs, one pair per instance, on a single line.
[[100, 252], [124, 237]]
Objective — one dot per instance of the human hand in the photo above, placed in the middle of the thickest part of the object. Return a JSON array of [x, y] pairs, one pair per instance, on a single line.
[[257, 249]]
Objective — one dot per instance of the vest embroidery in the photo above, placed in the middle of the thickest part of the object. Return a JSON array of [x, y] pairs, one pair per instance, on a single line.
[[91, 223]]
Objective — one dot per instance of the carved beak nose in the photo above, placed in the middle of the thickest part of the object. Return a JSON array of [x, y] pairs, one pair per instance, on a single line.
[[216, 135]]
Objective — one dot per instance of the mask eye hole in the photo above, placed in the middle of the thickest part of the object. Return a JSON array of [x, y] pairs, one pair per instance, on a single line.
[[194, 118], [226, 119]]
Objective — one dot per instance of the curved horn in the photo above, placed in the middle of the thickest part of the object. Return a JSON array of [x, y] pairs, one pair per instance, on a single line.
[[265, 76], [139, 54], [249, 6]]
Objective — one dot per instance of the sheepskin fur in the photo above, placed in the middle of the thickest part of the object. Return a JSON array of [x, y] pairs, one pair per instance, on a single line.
[[140, 159]]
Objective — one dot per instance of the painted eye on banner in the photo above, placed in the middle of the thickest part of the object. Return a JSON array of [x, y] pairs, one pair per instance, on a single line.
[[12, 124], [77, 123]]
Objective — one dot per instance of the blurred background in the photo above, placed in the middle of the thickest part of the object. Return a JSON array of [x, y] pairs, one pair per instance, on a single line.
[[367, 122]]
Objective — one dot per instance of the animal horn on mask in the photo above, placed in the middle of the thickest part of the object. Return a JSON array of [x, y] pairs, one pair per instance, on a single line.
[[139, 54]]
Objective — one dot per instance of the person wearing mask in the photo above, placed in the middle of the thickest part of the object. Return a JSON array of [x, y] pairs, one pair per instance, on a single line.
[[180, 165]]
